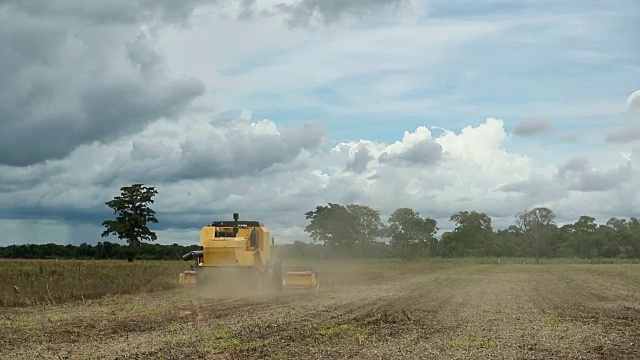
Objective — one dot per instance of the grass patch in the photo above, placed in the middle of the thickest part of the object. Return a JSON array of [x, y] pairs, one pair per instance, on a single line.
[[210, 338], [467, 342], [346, 331], [223, 338], [555, 322]]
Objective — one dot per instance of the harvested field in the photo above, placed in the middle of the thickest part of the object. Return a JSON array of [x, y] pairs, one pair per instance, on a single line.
[[364, 310]]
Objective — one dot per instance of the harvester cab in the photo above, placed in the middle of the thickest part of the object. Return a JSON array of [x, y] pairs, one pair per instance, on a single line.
[[240, 252]]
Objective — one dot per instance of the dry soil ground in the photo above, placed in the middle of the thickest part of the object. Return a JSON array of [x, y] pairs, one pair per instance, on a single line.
[[458, 311]]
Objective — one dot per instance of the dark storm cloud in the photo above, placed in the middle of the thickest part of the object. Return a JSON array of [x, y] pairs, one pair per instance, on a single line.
[[70, 78], [243, 154], [331, 11], [425, 152], [23, 178], [75, 72], [530, 127], [106, 110], [214, 153], [359, 162], [96, 215]]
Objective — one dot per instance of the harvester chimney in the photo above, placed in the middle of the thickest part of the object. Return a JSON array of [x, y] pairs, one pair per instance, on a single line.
[[235, 225]]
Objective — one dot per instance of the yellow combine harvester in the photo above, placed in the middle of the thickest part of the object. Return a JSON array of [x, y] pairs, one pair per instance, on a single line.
[[244, 248]]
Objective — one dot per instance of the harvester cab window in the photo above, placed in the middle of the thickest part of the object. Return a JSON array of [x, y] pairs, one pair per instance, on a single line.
[[223, 233]]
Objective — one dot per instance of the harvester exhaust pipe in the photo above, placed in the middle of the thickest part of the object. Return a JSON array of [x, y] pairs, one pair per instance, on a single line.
[[192, 254], [235, 224]]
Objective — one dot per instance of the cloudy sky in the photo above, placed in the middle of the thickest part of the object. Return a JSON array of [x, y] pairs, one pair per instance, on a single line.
[[269, 108]]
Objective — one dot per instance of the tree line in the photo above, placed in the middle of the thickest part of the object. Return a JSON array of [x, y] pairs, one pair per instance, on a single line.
[[355, 230], [101, 251], [358, 230], [114, 251]]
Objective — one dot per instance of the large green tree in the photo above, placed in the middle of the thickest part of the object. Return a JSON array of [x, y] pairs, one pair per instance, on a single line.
[[562, 242], [538, 225], [411, 235], [368, 225], [634, 226], [331, 225], [472, 236], [584, 231], [132, 216], [622, 238], [344, 227], [508, 242]]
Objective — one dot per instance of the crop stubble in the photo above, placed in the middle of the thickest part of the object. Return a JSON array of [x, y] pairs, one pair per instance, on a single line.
[[460, 311]]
